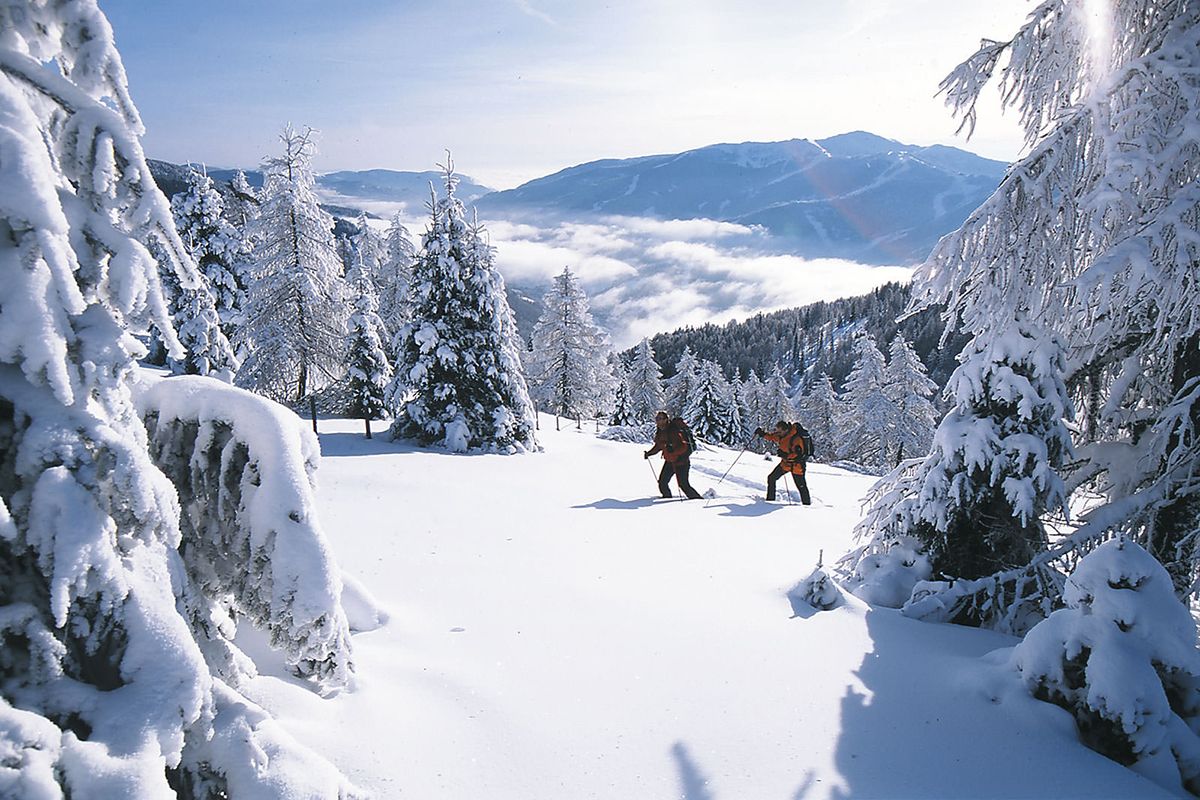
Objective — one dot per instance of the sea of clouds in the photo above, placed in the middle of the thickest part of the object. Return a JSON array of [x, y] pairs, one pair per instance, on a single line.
[[646, 276]]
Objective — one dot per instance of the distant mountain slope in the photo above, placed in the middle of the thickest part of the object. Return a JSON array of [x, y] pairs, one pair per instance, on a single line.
[[857, 195], [410, 188]]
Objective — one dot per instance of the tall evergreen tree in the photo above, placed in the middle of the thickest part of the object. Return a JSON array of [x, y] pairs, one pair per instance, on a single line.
[[646, 395], [819, 410], [867, 414], [568, 368], [295, 317], [458, 379], [622, 407], [680, 386], [243, 210], [909, 388], [775, 403], [708, 407], [216, 247], [368, 370], [754, 414], [208, 352]]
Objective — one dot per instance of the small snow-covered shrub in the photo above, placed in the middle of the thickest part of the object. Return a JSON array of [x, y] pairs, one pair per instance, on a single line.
[[887, 578], [1122, 659], [817, 590], [640, 434]]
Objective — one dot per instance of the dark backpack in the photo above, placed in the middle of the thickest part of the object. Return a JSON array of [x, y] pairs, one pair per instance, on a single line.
[[689, 438], [806, 437]]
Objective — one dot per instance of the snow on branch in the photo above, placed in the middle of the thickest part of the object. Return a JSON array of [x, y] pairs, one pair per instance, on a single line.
[[244, 467]]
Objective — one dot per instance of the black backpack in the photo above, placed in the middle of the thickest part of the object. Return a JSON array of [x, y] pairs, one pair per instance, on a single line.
[[805, 437], [688, 437]]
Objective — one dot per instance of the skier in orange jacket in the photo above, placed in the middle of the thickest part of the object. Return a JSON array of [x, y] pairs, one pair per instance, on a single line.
[[790, 438]]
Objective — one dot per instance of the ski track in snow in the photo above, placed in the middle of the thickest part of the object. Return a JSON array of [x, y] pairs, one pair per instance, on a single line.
[[556, 631]]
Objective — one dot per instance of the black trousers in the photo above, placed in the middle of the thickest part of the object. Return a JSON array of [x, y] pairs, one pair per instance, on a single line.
[[801, 484], [680, 470]]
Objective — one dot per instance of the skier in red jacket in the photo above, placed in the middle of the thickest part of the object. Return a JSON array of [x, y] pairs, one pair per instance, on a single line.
[[670, 439]]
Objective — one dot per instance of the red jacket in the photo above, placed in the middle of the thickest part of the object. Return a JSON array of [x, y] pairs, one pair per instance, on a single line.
[[671, 442], [791, 447]]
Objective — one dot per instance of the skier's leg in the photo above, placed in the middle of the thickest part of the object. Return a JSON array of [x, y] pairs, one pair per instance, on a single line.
[[775, 475], [802, 485], [681, 476], [664, 478]]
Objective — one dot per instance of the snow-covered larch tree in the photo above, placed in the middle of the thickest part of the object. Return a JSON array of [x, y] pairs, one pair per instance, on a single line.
[[295, 316], [646, 396], [105, 690], [865, 421], [459, 382], [568, 365], [393, 276], [1096, 234], [907, 385]]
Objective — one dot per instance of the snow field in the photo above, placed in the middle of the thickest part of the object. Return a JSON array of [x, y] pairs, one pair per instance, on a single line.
[[557, 632]]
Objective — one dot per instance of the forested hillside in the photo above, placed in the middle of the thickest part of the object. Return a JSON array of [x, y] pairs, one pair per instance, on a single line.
[[815, 339]]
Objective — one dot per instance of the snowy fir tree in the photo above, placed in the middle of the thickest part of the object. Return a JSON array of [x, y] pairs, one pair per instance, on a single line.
[[754, 413], [994, 470], [774, 401], [708, 406], [459, 382], [1094, 233], [216, 247], [393, 277], [1122, 658], [208, 352], [622, 407], [735, 427], [678, 387], [568, 366], [866, 418], [368, 371], [295, 316], [907, 385], [646, 396], [818, 409], [105, 686]]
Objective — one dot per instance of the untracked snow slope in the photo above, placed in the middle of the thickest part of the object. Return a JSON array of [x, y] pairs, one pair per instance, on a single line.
[[557, 633]]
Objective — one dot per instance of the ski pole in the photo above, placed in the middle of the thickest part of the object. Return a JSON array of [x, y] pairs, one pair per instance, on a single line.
[[745, 447]]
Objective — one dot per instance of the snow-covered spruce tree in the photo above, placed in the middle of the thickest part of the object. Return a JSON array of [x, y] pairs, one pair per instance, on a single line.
[[622, 407], [295, 315], [707, 410], [819, 409], [568, 365], [243, 210], [754, 414], [735, 426], [104, 691], [1122, 658], [393, 277], [994, 469], [907, 385], [199, 326], [368, 371], [678, 388], [646, 396], [774, 402], [458, 379], [867, 414], [1094, 232], [216, 247]]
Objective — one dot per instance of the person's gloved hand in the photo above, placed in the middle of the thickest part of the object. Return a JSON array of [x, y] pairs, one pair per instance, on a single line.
[[759, 431], [646, 454]]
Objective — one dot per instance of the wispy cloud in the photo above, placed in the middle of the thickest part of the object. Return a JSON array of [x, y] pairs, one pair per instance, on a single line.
[[528, 9]]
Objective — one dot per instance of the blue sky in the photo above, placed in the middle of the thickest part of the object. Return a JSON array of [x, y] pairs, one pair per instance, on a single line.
[[522, 88]]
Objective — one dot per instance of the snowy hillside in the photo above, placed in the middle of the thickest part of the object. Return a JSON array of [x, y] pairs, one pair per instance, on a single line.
[[857, 195], [555, 632]]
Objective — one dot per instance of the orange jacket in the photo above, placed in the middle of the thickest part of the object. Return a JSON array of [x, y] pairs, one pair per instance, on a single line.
[[671, 442], [791, 447]]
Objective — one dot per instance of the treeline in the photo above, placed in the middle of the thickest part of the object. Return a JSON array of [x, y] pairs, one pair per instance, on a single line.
[[815, 340]]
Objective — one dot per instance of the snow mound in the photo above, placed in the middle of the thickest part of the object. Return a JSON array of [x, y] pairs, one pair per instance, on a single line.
[[817, 590], [888, 578], [363, 611]]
